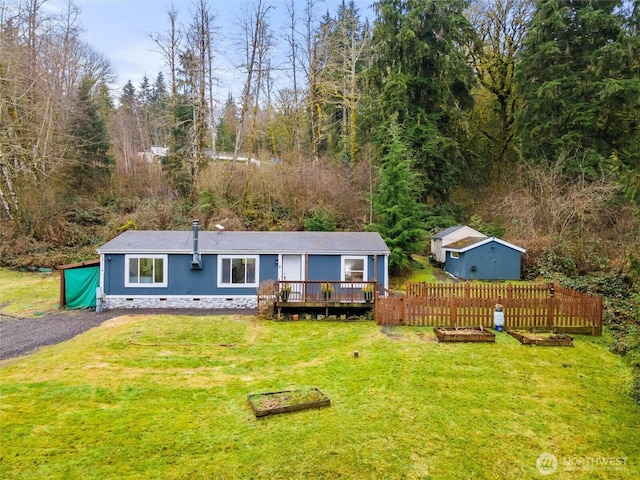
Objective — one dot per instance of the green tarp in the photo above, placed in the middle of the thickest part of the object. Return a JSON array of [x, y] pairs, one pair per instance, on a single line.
[[80, 287]]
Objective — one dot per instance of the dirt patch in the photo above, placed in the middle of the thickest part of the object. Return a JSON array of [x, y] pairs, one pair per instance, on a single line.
[[391, 332], [443, 277], [427, 338]]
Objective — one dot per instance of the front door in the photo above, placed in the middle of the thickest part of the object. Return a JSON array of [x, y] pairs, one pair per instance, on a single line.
[[293, 271], [292, 268]]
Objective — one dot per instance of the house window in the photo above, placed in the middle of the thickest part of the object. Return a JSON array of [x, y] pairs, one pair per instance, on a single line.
[[354, 269], [146, 271], [237, 270], [455, 254]]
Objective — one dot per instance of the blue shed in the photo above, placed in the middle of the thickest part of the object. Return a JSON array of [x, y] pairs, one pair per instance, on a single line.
[[476, 258], [223, 269]]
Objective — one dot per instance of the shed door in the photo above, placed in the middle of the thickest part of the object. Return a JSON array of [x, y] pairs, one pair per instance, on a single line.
[[292, 268]]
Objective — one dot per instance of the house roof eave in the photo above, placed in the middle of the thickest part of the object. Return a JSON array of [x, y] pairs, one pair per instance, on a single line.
[[481, 242], [181, 242]]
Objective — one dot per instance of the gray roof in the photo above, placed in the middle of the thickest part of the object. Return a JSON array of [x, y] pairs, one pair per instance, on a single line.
[[145, 241], [446, 232]]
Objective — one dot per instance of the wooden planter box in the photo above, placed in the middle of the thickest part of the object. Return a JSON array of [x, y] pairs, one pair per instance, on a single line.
[[287, 401], [542, 339], [464, 334]]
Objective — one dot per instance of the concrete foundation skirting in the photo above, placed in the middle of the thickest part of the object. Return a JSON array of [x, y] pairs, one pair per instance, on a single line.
[[181, 302]]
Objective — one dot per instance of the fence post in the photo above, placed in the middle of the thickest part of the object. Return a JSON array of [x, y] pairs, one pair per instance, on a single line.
[[376, 306], [598, 313], [550, 306], [452, 310]]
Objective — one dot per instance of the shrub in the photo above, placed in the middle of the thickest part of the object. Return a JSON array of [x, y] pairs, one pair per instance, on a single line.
[[320, 221]]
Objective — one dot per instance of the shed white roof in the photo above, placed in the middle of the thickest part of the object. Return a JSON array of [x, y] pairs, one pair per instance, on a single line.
[[444, 233], [459, 230], [470, 243]]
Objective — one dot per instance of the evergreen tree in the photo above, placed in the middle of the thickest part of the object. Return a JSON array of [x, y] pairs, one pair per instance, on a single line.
[[420, 75], [104, 101], [144, 91], [128, 97], [227, 126], [320, 221], [226, 138], [398, 214], [580, 81], [159, 113], [90, 165], [177, 164], [159, 90]]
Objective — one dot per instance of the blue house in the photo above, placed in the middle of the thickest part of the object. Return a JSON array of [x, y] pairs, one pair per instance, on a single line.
[[223, 269], [483, 258]]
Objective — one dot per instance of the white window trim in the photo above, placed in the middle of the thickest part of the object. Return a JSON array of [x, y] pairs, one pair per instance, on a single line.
[[365, 273], [455, 255], [165, 271], [222, 284]]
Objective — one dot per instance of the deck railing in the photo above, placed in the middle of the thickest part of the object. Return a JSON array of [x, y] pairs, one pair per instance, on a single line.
[[327, 291]]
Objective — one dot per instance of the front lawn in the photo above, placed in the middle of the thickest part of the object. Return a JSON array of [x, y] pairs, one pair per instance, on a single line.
[[28, 294], [166, 397]]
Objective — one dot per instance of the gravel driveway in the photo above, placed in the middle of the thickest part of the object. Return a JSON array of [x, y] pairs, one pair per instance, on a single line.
[[22, 336]]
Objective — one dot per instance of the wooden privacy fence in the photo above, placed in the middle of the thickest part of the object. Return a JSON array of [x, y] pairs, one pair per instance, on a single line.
[[539, 307]]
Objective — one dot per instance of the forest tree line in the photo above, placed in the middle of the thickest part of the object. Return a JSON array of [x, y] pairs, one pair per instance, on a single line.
[[519, 116]]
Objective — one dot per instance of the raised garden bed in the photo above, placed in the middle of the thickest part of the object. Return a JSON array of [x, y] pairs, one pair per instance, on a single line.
[[287, 401], [543, 339], [464, 334]]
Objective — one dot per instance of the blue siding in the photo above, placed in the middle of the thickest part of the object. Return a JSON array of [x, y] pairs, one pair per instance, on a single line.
[[268, 267], [492, 261], [380, 261], [182, 280], [328, 267], [324, 267], [455, 266]]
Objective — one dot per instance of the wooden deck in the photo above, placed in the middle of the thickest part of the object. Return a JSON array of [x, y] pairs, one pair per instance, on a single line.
[[320, 296]]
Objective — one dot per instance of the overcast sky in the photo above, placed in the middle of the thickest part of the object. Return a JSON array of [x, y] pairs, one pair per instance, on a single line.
[[119, 29]]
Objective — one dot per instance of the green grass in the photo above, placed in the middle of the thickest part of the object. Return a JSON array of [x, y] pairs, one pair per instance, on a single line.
[[166, 397], [28, 294], [422, 272]]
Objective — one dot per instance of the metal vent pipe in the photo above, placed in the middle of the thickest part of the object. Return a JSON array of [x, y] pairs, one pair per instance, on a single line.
[[196, 260], [195, 225]]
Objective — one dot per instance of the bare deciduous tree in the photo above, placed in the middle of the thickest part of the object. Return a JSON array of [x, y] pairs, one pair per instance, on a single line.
[[41, 62], [291, 38], [347, 43], [311, 65], [256, 43], [198, 62], [170, 44]]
